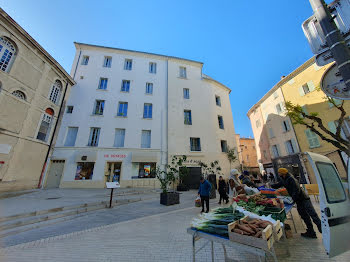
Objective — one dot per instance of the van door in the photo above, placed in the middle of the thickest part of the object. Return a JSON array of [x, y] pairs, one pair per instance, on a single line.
[[334, 205]]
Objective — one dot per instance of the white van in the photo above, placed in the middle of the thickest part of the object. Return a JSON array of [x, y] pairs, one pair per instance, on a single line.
[[334, 205]]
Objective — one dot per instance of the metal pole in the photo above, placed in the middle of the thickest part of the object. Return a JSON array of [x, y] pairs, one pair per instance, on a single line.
[[335, 40], [110, 201]]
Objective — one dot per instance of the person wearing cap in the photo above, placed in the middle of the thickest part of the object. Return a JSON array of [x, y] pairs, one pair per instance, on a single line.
[[234, 174], [204, 192], [304, 205]]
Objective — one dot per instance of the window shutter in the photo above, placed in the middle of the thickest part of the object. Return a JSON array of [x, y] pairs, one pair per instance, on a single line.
[[278, 150], [271, 133], [301, 91], [286, 146], [295, 146], [287, 124], [304, 109], [332, 127], [311, 85]]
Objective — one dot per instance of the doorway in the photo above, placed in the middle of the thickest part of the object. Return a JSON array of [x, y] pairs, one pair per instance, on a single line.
[[192, 179], [55, 174], [113, 171]]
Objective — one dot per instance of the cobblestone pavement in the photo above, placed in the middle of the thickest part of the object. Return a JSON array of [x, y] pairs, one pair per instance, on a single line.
[[157, 237]]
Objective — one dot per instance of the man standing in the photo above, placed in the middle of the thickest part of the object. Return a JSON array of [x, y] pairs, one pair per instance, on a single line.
[[204, 192], [304, 205], [222, 190]]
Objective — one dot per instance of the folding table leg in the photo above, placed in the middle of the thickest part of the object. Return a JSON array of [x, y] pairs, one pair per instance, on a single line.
[[212, 251], [194, 248]]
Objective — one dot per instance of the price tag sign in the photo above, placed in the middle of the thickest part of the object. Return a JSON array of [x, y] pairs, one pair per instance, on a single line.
[[112, 185]]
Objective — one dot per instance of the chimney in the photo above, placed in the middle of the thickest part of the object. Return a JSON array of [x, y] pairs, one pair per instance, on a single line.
[[282, 77]]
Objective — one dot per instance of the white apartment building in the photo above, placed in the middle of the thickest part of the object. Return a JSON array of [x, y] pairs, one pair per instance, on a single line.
[[132, 111]]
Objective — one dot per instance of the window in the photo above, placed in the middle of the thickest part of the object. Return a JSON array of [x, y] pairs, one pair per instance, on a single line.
[[258, 123], [85, 60], [247, 157], [187, 117], [275, 94], [103, 83], [71, 136], [223, 146], [285, 126], [94, 136], [221, 122], [107, 62], [128, 64], [186, 93], [149, 88], [275, 151], [218, 100], [147, 111], [125, 86], [331, 183], [146, 139], [55, 92], [45, 126], [153, 68], [312, 139], [123, 109], [289, 147], [69, 109], [306, 88], [271, 133], [119, 137], [99, 106], [19, 94], [147, 170], [84, 171], [7, 51], [195, 144], [183, 73], [278, 109]]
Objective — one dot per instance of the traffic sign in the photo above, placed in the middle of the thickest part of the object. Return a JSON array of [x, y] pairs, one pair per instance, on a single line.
[[333, 85]]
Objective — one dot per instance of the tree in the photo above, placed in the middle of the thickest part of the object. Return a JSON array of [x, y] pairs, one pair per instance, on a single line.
[[316, 125], [231, 155]]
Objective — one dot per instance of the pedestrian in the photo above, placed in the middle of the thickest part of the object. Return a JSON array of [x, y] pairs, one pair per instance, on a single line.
[[271, 177], [264, 176], [233, 189], [204, 192], [234, 174], [222, 190], [304, 205]]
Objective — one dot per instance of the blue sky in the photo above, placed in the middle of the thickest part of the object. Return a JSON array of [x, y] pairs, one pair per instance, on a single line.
[[246, 45]]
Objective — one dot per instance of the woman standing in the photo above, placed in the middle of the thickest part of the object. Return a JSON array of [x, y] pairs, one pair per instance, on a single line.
[[222, 190]]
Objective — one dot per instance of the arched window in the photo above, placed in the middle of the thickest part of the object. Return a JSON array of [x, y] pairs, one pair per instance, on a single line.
[[45, 125], [19, 94], [7, 53], [55, 92]]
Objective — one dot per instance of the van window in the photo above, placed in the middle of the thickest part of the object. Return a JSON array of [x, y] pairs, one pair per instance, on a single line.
[[331, 183]]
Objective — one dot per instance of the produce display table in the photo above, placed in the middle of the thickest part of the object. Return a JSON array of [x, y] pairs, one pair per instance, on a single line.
[[196, 235]]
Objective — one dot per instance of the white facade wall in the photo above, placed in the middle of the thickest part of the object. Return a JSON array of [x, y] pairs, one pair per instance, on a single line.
[[169, 134]]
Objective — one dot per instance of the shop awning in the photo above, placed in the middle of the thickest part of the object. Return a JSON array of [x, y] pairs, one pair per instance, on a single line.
[[141, 157], [86, 156]]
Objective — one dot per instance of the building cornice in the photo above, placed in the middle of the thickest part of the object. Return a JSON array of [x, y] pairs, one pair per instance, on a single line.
[[133, 52], [208, 78], [284, 80], [10, 20]]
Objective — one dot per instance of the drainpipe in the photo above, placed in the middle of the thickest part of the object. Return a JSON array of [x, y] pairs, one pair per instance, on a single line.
[[52, 137]]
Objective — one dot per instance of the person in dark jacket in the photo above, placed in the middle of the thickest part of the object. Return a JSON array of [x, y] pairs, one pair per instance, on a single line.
[[222, 190], [304, 205], [204, 192]]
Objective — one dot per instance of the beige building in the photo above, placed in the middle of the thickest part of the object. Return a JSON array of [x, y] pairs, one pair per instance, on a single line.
[[247, 154], [33, 87]]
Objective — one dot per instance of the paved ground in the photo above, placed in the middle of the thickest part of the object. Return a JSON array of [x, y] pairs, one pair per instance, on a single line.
[[44, 199], [151, 237]]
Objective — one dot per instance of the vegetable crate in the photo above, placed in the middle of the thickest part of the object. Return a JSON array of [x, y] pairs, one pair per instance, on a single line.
[[277, 230], [265, 243], [275, 212]]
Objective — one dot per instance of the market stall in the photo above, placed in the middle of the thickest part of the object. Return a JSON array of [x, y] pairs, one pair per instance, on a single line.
[[237, 228]]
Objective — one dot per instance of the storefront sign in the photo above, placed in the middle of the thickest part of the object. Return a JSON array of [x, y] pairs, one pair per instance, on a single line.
[[114, 156], [112, 185]]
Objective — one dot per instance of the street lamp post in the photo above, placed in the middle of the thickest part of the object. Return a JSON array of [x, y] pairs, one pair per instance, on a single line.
[[334, 39]]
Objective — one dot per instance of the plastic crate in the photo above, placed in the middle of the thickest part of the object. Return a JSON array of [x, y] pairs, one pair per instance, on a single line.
[[275, 212]]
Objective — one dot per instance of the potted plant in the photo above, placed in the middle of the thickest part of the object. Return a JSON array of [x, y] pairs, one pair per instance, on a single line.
[[179, 171], [166, 178]]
